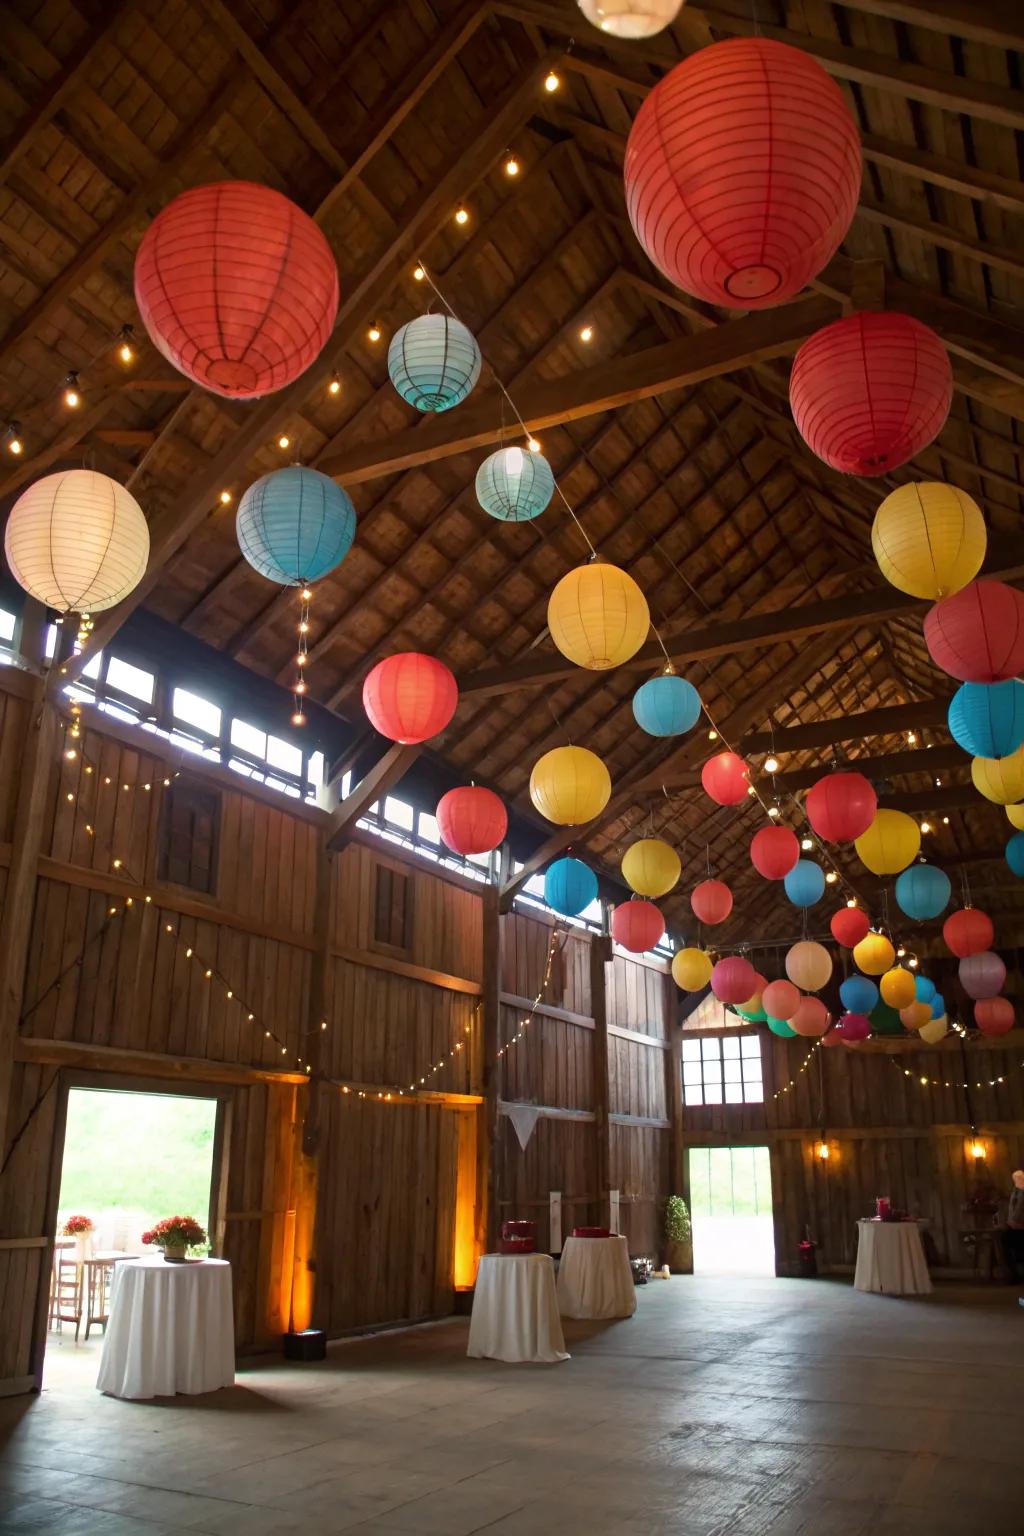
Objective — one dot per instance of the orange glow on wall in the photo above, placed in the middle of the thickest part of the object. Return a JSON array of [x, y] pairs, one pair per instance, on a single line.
[[465, 1253]]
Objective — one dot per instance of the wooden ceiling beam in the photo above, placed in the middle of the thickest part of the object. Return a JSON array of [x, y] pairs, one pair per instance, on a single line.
[[884, 765], [952, 175], [380, 780], [888, 720], [979, 21]]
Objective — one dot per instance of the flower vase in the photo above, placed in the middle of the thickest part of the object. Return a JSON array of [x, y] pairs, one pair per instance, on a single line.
[[174, 1253], [83, 1247]]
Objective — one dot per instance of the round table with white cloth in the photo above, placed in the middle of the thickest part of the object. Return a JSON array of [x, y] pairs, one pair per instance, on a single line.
[[890, 1259], [171, 1329], [515, 1309], [594, 1278]]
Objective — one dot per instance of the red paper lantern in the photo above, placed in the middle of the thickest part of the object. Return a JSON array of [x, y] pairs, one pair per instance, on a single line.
[[870, 391], [733, 980], [853, 1027], [832, 1036], [711, 902], [994, 1015], [637, 925], [237, 287], [742, 172], [780, 1000], [810, 1018], [774, 851], [471, 819], [841, 806], [968, 932], [410, 697], [977, 635], [849, 925], [725, 778]]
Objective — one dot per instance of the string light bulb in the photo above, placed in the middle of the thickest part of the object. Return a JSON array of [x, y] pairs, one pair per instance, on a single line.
[[511, 166], [774, 812], [419, 273], [771, 765], [712, 735], [911, 738], [334, 386], [851, 901], [587, 333], [284, 441], [13, 436], [461, 215], [533, 445], [225, 498], [72, 393], [373, 333], [125, 350], [926, 826], [977, 1149], [823, 1150], [831, 877], [551, 82], [807, 843]]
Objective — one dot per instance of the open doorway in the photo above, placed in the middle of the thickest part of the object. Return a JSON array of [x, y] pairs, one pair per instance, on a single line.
[[731, 1208]]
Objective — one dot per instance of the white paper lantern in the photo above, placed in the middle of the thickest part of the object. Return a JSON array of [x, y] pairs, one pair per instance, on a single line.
[[631, 18], [77, 541]]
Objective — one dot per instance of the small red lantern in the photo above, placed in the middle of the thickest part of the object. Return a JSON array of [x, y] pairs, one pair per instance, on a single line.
[[237, 287], [725, 778], [870, 391], [854, 1027], [977, 635], [733, 980], [841, 806], [742, 171], [849, 925], [471, 819], [711, 902], [410, 697], [774, 851], [810, 1018], [968, 932], [637, 925], [832, 1036], [994, 1015], [780, 1000]]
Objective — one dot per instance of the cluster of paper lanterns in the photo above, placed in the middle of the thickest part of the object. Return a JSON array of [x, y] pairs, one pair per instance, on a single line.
[[77, 541]]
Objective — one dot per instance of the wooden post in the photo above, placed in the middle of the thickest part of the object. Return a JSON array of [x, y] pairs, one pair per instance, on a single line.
[[600, 956], [487, 1208]]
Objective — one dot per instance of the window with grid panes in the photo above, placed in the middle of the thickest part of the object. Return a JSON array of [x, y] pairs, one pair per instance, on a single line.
[[189, 825], [723, 1070]]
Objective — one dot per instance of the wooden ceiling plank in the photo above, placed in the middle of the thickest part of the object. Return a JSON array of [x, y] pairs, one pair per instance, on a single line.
[[883, 721], [941, 171], [980, 21], [884, 765]]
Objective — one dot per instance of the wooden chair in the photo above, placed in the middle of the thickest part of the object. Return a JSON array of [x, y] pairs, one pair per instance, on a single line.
[[97, 1282], [66, 1306]]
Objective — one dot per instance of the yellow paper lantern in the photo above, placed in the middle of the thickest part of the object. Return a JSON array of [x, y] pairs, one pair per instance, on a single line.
[[874, 954], [929, 539], [914, 1015], [598, 616], [691, 969], [1000, 779], [651, 867], [1016, 815], [77, 541], [897, 987], [932, 1032], [892, 841], [570, 785], [808, 965]]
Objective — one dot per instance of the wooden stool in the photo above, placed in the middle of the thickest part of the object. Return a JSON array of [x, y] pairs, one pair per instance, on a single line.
[[67, 1302]]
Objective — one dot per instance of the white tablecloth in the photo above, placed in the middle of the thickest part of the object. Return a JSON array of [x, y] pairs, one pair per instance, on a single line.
[[890, 1259], [171, 1329], [594, 1278], [515, 1309]]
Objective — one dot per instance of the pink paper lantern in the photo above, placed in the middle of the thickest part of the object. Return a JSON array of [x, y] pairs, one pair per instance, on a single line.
[[810, 1018], [982, 975], [994, 1015], [780, 1000], [733, 980], [977, 635], [711, 901], [853, 1027], [774, 851], [841, 806]]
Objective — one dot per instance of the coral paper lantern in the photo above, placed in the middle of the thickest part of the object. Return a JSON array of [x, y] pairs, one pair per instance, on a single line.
[[651, 867], [733, 979], [471, 819], [598, 616], [929, 539], [637, 925], [874, 954], [808, 965], [514, 486], [666, 706], [999, 779], [987, 719], [742, 172], [711, 901], [892, 841], [858, 994], [726, 778], [841, 806], [977, 635], [923, 891], [982, 975], [897, 988], [774, 851], [77, 541], [811, 1017], [294, 525], [780, 999], [870, 391], [569, 886], [915, 1014], [849, 925], [570, 785], [968, 932], [410, 697], [805, 883], [853, 1028], [434, 362], [994, 1015], [691, 969], [1015, 854], [631, 18], [237, 287]]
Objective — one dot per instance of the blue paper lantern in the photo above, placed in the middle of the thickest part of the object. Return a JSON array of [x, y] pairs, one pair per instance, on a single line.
[[923, 891], [294, 525], [779, 1027], [805, 883], [987, 719], [667, 705], [924, 990], [569, 886], [514, 486], [859, 995], [1015, 853], [938, 1006], [434, 362]]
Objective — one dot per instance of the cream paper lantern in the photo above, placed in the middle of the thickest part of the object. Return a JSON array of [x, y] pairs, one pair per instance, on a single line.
[[809, 965], [932, 1032], [631, 18], [77, 541]]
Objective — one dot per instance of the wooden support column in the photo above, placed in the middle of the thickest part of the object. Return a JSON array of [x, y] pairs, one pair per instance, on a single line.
[[678, 1171], [600, 957], [488, 1161]]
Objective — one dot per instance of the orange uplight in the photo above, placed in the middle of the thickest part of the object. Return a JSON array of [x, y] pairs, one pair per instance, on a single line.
[[466, 1252], [976, 1149], [823, 1152]]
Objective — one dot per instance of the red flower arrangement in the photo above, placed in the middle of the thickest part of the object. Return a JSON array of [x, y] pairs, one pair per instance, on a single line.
[[77, 1226], [176, 1232]]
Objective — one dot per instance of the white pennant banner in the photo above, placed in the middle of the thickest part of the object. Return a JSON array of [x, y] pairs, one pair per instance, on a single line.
[[524, 1118]]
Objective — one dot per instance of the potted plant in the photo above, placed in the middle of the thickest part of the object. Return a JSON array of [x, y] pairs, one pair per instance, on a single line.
[[678, 1236], [175, 1235], [81, 1229]]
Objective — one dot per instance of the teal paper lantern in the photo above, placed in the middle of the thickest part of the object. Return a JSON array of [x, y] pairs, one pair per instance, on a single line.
[[1015, 853], [667, 705], [779, 1027], [924, 990], [987, 719], [885, 1020], [514, 486], [923, 891], [752, 1015], [859, 994], [570, 886], [434, 362], [294, 525], [938, 1006], [805, 883]]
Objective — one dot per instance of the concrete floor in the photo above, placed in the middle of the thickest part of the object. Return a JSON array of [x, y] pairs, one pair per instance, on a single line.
[[726, 1407]]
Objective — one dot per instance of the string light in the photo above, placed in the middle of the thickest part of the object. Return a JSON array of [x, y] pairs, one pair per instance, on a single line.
[[774, 812], [926, 826], [831, 876], [524, 1022], [12, 439], [461, 215], [72, 395], [533, 444], [587, 333], [551, 82], [851, 901], [712, 735], [300, 685], [374, 332], [334, 387], [788, 1087], [225, 498], [511, 166], [419, 272], [807, 843], [771, 765], [911, 738], [822, 1150], [284, 441], [125, 350]]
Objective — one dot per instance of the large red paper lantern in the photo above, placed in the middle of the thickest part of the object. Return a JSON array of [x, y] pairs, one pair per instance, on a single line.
[[410, 697], [780, 999], [841, 806], [849, 925], [637, 925], [711, 902], [870, 391], [968, 932], [977, 635], [471, 819], [725, 778], [810, 1018], [742, 171], [994, 1015], [237, 287], [774, 851], [733, 980]]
